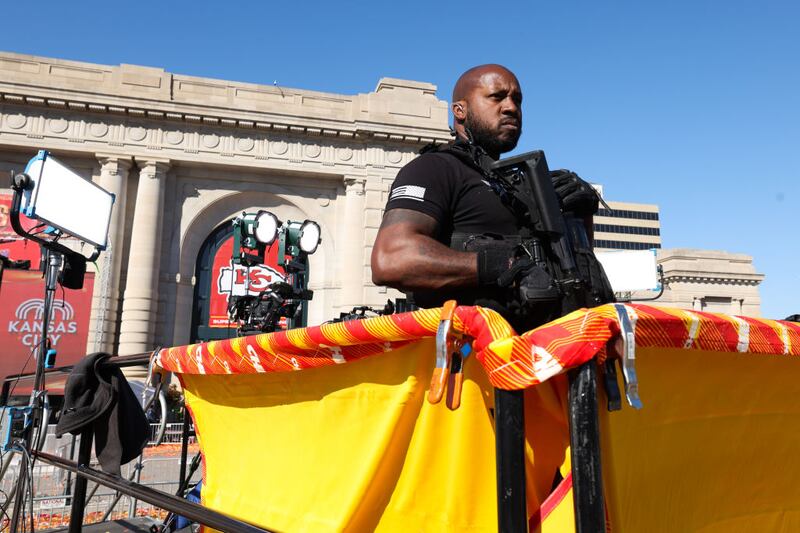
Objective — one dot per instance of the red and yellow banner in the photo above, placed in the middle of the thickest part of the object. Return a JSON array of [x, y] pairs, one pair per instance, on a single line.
[[350, 443], [511, 361]]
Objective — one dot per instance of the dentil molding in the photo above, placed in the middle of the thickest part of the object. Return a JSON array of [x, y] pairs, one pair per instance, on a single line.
[[179, 141]]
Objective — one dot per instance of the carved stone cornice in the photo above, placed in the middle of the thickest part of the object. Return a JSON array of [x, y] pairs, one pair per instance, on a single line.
[[147, 138], [398, 111], [713, 280]]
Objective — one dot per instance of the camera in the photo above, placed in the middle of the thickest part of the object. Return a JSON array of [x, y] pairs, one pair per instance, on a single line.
[[262, 313]]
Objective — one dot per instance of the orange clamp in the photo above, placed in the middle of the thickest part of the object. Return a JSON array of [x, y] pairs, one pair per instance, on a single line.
[[449, 362]]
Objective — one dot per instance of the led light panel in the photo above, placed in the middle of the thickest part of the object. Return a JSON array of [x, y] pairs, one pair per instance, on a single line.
[[630, 270], [67, 201]]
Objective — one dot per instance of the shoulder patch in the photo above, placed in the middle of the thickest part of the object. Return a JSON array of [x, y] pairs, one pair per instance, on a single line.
[[408, 192]]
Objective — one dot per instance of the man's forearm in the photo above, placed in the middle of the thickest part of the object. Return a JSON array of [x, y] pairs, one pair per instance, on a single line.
[[423, 263]]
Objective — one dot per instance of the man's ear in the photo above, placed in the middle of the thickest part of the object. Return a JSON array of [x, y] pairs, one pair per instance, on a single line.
[[459, 111]]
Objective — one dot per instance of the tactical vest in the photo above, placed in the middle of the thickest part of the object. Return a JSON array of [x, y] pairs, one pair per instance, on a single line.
[[549, 294]]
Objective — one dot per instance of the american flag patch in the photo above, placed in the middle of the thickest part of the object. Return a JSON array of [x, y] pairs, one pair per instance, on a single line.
[[408, 192]]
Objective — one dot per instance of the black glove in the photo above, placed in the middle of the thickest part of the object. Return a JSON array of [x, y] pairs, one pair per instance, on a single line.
[[531, 282], [519, 269], [492, 263], [575, 195]]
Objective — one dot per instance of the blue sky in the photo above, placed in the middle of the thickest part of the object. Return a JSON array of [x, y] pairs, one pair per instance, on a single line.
[[693, 105]]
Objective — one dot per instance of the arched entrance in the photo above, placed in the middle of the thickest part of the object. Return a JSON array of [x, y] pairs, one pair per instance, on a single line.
[[217, 278]]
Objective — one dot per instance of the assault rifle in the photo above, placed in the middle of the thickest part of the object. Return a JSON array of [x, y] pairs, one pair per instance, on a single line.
[[529, 177]]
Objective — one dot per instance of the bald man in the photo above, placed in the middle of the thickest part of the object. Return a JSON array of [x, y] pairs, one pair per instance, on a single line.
[[439, 194], [444, 206]]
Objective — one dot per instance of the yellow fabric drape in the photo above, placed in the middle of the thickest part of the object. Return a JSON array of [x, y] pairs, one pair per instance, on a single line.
[[350, 443], [357, 447], [715, 448]]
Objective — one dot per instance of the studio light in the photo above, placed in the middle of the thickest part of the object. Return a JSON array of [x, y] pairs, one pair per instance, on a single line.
[[310, 236], [630, 270], [300, 237], [255, 231], [266, 227], [244, 230], [65, 200]]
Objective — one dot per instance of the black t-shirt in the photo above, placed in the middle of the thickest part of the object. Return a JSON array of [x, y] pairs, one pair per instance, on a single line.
[[459, 198], [455, 194]]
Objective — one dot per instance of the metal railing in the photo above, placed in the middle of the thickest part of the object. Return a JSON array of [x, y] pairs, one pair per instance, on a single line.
[[53, 486], [172, 434]]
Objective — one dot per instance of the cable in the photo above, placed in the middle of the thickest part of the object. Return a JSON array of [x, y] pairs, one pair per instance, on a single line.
[[3, 413], [29, 484], [3, 509]]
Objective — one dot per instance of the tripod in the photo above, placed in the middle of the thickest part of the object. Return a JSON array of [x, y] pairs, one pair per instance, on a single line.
[[35, 422]]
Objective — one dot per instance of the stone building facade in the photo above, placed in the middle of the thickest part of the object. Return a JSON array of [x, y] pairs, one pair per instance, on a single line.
[[184, 155], [709, 280]]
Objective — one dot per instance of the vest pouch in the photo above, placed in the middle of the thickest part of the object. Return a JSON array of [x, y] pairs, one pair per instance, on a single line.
[[538, 287]]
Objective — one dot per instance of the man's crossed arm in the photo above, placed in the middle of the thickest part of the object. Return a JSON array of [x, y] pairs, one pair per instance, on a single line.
[[406, 255]]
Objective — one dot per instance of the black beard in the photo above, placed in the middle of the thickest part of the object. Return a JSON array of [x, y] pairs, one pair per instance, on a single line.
[[483, 136]]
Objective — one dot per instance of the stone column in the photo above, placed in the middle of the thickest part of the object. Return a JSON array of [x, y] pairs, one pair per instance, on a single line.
[[351, 237], [105, 302], [141, 291]]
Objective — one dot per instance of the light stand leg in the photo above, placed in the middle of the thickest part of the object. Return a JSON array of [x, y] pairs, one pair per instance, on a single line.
[[51, 276], [68, 484], [137, 474], [184, 443], [19, 500], [79, 498]]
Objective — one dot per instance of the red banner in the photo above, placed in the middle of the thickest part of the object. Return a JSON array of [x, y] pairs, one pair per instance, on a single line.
[[12, 245], [228, 279], [22, 296]]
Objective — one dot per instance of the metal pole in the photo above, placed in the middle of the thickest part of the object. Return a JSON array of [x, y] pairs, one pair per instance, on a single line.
[[137, 473], [51, 275], [509, 420], [68, 485], [584, 437], [79, 497], [117, 497], [183, 486], [184, 443], [19, 489], [303, 282], [192, 511]]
